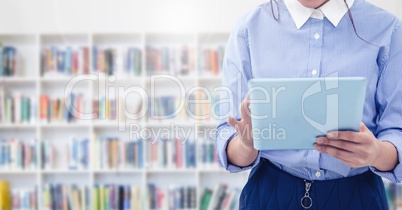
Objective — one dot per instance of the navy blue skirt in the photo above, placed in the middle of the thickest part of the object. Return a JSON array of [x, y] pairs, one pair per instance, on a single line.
[[269, 187]]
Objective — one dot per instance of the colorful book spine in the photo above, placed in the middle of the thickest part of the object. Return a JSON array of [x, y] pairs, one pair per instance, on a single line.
[[113, 61], [3, 97], [211, 60], [18, 155], [2, 72], [207, 156], [55, 110], [181, 197], [8, 61], [24, 199], [113, 153], [16, 108], [221, 197], [65, 197], [64, 61], [77, 154], [133, 61], [163, 107], [174, 60], [114, 109], [110, 197], [394, 194], [44, 108], [170, 153], [5, 199]]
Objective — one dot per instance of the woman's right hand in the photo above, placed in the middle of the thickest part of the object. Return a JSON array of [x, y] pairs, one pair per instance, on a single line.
[[243, 126], [240, 150]]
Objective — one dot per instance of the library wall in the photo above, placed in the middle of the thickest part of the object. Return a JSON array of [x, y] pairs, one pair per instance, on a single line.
[[76, 148]]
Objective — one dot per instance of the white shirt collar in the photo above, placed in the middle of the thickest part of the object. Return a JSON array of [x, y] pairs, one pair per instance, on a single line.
[[333, 10]]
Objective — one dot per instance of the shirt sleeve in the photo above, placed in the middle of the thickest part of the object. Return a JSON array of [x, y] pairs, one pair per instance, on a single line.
[[226, 133], [389, 103], [236, 73]]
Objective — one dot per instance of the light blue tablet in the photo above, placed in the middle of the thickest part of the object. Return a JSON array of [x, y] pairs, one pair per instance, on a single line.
[[290, 113]]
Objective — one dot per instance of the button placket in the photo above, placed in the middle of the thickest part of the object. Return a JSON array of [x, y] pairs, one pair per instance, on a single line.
[[315, 56]]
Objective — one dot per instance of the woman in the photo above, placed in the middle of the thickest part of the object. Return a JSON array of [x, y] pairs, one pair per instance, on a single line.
[[316, 38]]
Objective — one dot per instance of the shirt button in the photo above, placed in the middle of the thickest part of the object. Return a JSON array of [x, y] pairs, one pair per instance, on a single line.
[[318, 174], [316, 36], [314, 72]]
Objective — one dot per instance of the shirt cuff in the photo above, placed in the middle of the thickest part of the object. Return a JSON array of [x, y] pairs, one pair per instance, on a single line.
[[224, 134], [395, 138]]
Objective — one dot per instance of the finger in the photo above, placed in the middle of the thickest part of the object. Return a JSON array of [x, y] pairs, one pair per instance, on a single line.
[[335, 152], [338, 143], [351, 136], [232, 122], [245, 110]]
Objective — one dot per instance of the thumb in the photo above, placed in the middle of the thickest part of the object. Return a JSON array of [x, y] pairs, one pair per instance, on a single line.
[[363, 127]]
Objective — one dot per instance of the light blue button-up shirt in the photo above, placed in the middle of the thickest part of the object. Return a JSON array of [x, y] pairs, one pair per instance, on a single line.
[[261, 47]]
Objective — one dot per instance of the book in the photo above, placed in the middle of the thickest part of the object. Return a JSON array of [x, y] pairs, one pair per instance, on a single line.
[[64, 61], [205, 199], [133, 61], [5, 200], [16, 154], [24, 199], [67, 110], [173, 60], [211, 59], [111, 197], [77, 154], [207, 154], [16, 108], [1, 60], [163, 107], [65, 197], [117, 61], [217, 197], [113, 153], [394, 194], [174, 153], [175, 197], [9, 61], [220, 198]]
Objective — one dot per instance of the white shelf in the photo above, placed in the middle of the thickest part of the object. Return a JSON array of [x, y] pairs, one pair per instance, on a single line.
[[18, 126], [171, 170], [65, 125], [118, 171], [65, 171], [55, 80], [108, 124], [165, 123], [182, 78], [18, 172], [14, 80], [63, 79], [216, 78]]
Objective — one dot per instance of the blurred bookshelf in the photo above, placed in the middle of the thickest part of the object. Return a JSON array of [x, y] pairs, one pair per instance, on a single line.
[[76, 148]]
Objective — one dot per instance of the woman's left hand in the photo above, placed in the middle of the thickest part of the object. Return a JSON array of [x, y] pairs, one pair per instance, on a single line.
[[355, 149]]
